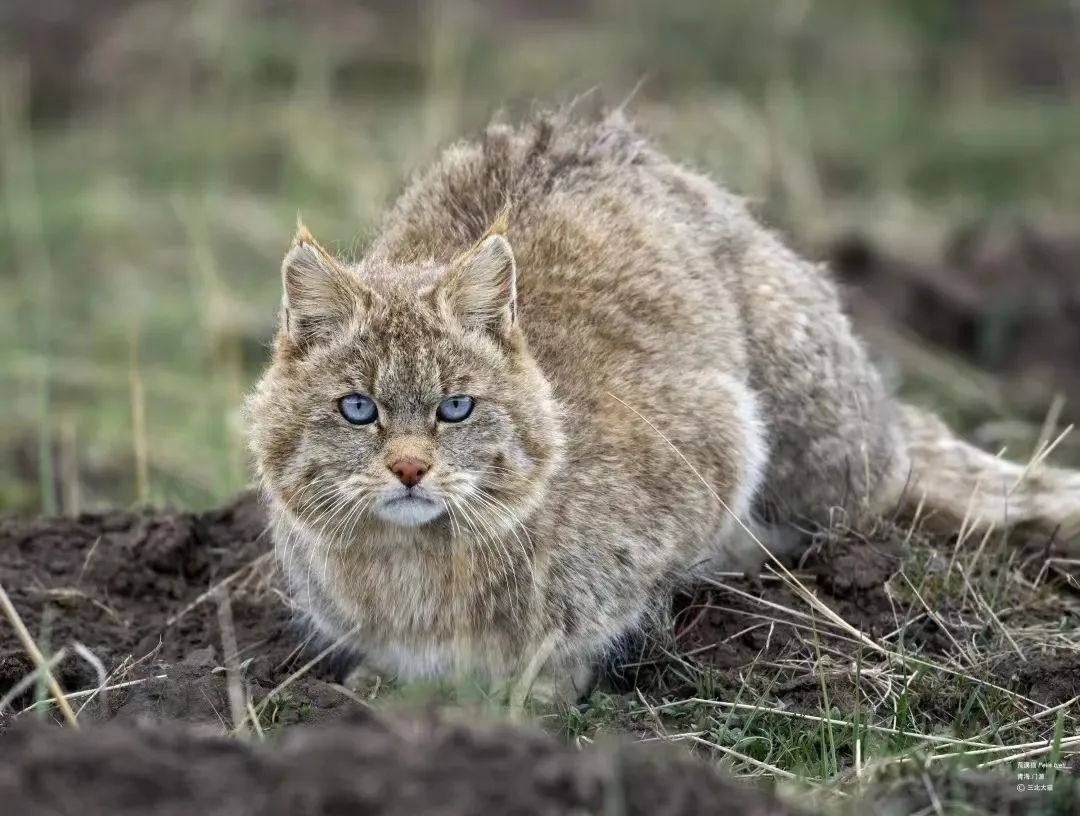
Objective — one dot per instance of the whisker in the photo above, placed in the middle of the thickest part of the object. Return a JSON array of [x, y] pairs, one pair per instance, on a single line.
[[488, 544], [504, 513], [510, 568], [348, 529], [322, 491]]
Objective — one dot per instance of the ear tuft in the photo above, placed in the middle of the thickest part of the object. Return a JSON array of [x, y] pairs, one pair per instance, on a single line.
[[303, 235], [480, 289], [303, 238], [501, 223], [319, 294]]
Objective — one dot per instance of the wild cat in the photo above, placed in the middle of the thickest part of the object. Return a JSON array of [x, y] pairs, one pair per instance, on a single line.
[[496, 443]]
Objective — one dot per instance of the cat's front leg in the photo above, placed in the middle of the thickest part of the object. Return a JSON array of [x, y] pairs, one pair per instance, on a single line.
[[562, 681]]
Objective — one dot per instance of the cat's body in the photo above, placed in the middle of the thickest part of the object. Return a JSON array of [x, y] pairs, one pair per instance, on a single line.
[[662, 351]]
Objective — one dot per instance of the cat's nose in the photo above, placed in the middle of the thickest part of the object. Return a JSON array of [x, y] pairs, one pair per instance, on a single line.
[[409, 471]]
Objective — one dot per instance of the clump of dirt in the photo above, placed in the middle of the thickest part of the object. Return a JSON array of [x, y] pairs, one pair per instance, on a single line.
[[1004, 296], [1052, 680], [967, 791], [731, 625], [847, 574], [368, 766]]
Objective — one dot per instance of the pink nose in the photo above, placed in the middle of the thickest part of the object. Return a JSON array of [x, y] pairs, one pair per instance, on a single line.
[[409, 471]]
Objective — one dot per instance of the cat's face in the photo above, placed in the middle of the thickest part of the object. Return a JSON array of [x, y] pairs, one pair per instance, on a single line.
[[403, 396]]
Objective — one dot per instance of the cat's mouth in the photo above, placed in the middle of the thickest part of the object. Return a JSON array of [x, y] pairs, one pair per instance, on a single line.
[[408, 508]]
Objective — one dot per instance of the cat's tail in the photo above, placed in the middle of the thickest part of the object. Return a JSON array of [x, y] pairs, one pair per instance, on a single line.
[[954, 485]]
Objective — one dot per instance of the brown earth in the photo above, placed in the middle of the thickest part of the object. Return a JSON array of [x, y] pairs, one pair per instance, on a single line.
[[135, 589], [737, 626], [1001, 296], [369, 766], [390, 767]]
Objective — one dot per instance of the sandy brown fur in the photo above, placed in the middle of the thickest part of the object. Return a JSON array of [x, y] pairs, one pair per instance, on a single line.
[[633, 280]]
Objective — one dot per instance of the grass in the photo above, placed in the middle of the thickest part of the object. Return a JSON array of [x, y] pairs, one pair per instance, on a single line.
[[142, 234], [140, 238], [818, 707], [40, 663]]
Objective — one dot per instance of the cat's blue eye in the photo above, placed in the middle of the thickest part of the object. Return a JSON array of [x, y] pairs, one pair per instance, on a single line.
[[454, 409], [358, 409]]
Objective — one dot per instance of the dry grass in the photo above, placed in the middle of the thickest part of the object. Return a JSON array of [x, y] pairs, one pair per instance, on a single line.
[[40, 663]]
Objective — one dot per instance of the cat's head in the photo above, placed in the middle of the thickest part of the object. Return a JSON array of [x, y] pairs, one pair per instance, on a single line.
[[403, 394]]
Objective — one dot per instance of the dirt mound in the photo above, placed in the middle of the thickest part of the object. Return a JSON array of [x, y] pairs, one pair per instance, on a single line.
[[732, 624], [759, 640], [1003, 296], [849, 576], [373, 767]]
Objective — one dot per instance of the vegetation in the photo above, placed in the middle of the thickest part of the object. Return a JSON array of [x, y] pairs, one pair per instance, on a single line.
[[146, 207]]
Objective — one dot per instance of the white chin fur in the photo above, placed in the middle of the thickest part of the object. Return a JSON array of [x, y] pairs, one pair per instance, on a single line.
[[408, 512]]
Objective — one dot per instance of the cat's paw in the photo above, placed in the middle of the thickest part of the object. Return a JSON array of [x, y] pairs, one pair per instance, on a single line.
[[365, 681], [562, 684]]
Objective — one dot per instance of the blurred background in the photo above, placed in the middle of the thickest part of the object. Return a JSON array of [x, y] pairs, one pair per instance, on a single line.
[[154, 156]]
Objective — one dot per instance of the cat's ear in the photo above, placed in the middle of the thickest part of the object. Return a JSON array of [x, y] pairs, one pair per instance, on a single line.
[[480, 288], [319, 294]]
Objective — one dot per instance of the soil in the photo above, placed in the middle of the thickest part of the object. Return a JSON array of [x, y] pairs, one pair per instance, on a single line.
[[735, 627], [368, 766], [848, 575], [1003, 296], [135, 589]]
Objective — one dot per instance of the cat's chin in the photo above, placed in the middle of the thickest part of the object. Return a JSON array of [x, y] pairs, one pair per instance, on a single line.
[[408, 511]]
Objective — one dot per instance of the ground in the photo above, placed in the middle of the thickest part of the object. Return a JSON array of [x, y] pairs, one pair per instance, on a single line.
[[149, 616]]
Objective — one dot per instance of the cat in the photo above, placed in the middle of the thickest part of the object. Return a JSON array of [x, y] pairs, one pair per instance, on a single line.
[[567, 375]]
